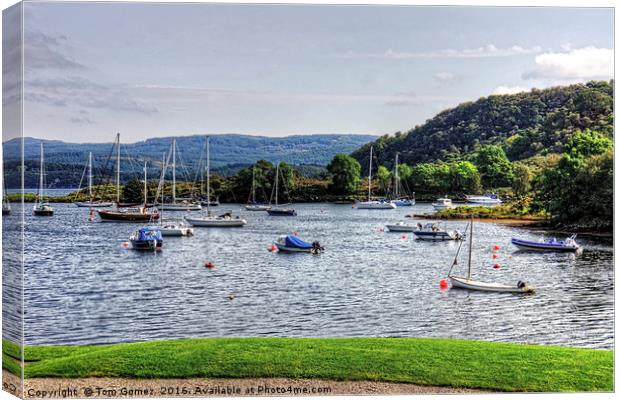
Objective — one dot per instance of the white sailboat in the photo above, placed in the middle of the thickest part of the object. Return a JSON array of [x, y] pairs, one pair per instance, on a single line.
[[470, 284], [90, 202], [373, 204], [253, 205], [42, 208], [225, 220], [170, 227], [278, 210], [177, 205], [400, 201]]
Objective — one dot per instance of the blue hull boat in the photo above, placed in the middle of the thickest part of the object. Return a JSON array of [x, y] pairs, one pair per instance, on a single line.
[[567, 245]]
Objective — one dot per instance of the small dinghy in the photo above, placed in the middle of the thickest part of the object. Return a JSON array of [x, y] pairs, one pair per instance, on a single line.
[[442, 204], [434, 231], [281, 212], [146, 239], [225, 220], [294, 244], [567, 245], [401, 227], [175, 228], [471, 284]]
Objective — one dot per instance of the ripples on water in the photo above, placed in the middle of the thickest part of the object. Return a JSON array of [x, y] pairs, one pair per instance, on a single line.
[[82, 286]]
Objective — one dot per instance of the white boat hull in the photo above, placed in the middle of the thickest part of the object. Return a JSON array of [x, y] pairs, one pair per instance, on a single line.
[[176, 231], [471, 284], [257, 208], [401, 228], [403, 203], [437, 236], [375, 205], [284, 248], [180, 207], [216, 222], [93, 204]]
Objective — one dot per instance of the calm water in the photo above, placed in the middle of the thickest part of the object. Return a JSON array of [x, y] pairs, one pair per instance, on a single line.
[[82, 286]]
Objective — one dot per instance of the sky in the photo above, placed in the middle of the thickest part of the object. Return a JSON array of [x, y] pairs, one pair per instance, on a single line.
[[148, 69]]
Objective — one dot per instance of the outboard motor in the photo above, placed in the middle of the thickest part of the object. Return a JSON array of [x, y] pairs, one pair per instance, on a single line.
[[316, 247], [521, 284]]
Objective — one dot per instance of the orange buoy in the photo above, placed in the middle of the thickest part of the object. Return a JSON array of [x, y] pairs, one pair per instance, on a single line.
[[510, 257], [273, 248], [496, 248], [443, 284], [209, 265]]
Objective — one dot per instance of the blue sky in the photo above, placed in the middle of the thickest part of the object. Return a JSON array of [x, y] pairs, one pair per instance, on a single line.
[[174, 69]]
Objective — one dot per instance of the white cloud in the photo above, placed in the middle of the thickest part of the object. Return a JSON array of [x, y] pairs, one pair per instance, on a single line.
[[489, 50], [444, 76], [510, 89], [573, 66]]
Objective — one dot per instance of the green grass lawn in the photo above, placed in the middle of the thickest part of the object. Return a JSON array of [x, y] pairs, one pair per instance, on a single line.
[[443, 362]]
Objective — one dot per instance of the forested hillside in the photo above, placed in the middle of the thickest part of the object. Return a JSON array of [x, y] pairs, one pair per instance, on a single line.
[[229, 153], [523, 124]]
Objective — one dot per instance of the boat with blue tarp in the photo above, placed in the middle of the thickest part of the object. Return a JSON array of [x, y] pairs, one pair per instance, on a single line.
[[292, 243], [147, 239], [566, 245]]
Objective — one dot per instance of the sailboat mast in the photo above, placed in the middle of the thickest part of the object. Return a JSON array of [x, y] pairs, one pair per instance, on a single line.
[[145, 189], [396, 179], [174, 171], [208, 180], [277, 174], [253, 184], [370, 173], [90, 176], [471, 239], [41, 175], [118, 168]]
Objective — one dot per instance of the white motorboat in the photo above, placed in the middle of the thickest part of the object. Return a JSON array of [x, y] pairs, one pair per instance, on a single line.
[[401, 227], [471, 284], [180, 206], [175, 228], [221, 221], [442, 204], [375, 205], [257, 207], [487, 199], [434, 231], [42, 207], [381, 204], [567, 245]]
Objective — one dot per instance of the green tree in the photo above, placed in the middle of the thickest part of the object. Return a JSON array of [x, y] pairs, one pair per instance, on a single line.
[[465, 177], [345, 175], [495, 168], [384, 176], [522, 181], [404, 172], [587, 143], [133, 191]]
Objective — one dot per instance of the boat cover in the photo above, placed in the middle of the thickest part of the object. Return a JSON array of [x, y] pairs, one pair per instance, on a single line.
[[149, 234], [294, 241]]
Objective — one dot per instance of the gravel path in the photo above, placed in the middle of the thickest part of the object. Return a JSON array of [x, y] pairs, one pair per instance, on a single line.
[[120, 387]]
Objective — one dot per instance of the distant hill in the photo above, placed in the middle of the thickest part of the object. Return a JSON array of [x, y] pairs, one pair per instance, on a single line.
[[229, 152], [524, 124]]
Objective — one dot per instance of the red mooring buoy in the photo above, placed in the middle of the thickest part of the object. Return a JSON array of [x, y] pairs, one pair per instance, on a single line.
[[443, 284]]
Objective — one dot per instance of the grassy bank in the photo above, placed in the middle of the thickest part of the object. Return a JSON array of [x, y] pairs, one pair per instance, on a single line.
[[508, 212], [441, 362]]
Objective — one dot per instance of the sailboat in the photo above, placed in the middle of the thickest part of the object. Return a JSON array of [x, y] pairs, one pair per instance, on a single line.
[[400, 201], [373, 204], [130, 214], [225, 220], [42, 208], [90, 202], [253, 205], [6, 206], [470, 284], [175, 205], [169, 227], [279, 211]]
